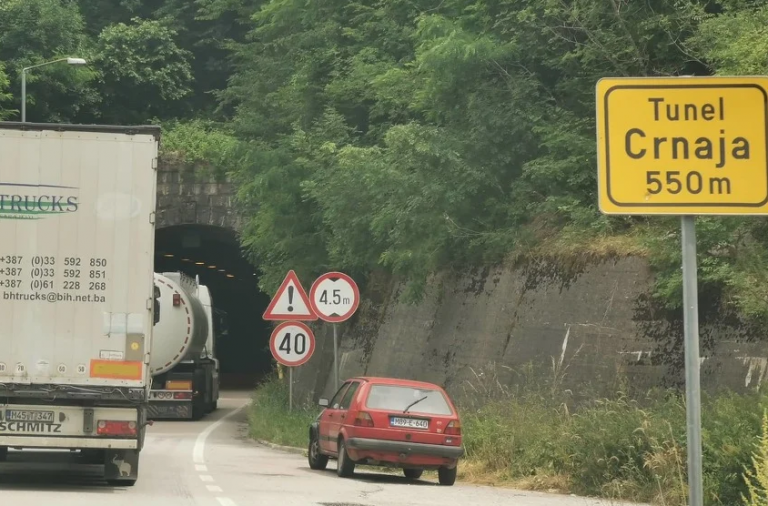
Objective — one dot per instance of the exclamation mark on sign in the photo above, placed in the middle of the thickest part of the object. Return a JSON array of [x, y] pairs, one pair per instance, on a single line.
[[290, 298]]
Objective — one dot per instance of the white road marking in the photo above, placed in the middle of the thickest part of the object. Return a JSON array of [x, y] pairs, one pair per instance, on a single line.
[[213, 488], [206, 477], [201, 468], [224, 501], [199, 449]]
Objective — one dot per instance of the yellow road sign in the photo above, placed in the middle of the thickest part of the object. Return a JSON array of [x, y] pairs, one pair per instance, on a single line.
[[683, 145]]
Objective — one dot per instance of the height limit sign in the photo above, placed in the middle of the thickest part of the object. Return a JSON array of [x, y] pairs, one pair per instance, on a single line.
[[334, 297]]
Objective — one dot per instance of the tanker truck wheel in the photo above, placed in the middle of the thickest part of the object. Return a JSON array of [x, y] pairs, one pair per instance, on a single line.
[[198, 410]]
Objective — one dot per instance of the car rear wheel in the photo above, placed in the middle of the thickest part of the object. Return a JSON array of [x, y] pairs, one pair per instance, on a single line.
[[447, 476], [345, 467], [317, 460], [413, 474]]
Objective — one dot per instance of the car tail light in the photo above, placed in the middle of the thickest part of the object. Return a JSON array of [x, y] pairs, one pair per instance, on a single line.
[[116, 428], [363, 419], [182, 395], [453, 428]]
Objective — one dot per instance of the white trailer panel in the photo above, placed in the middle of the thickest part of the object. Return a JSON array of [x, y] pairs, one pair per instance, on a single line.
[[76, 262]]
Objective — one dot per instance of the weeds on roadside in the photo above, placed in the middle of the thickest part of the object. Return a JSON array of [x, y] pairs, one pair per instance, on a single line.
[[756, 477], [270, 420], [622, 448]]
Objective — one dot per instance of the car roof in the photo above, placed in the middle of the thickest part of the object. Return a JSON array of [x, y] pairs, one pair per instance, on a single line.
[[378, 380]]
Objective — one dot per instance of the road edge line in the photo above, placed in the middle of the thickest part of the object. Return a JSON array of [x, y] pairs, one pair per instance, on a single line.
[[198, 452]]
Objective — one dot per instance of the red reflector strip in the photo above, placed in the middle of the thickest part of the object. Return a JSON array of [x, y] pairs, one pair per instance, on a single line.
[[116, 428]]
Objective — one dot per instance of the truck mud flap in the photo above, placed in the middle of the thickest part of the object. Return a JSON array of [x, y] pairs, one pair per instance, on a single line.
[[121, 467], [169, 410]]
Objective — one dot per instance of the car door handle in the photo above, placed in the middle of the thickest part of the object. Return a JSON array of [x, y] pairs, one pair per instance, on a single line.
[[343, 415]]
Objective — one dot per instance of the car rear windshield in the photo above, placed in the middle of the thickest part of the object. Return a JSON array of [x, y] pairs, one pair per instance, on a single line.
[[398, 398]]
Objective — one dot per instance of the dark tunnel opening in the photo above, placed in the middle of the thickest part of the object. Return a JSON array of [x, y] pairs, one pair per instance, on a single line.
[[213, 254]]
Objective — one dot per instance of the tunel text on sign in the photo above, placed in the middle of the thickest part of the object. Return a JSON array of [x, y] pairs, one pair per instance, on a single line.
[[683, 146]]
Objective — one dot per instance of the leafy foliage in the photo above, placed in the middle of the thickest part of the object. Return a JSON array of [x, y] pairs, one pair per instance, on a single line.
[[410, 135], [5, 95]]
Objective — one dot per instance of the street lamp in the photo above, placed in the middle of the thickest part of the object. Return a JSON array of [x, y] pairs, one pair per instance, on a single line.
[[70, 61]]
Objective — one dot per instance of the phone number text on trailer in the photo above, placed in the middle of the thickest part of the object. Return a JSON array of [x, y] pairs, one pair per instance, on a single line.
[[51, 273]]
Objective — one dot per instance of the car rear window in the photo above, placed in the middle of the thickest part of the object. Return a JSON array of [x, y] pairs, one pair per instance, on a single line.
[[397, 398]]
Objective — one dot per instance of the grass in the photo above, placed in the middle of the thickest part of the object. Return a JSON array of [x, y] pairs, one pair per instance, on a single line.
[[614, 448], [270, 420]]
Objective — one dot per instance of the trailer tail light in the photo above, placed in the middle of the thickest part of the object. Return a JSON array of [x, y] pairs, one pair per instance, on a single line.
[[182, 395], [453, 428], [176, 299], [363, 419], [116, 428], [178, 385]]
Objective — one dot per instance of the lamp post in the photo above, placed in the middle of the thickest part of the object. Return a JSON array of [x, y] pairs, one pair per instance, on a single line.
[[70, 61]]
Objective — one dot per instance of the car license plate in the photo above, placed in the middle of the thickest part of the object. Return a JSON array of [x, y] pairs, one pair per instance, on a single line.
[[25, 415], [409, 423]]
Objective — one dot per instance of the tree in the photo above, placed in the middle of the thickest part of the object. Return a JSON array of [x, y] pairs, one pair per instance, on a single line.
[[35, 31], [5, 95], [143, 72]]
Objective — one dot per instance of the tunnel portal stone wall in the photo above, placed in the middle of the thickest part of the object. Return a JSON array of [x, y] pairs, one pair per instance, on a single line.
[[185, 197]]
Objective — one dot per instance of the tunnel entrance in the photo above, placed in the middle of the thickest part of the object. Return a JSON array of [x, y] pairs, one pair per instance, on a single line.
[[213, 254]]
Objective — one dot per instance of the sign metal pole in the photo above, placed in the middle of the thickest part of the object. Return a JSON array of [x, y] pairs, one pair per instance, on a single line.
[[692, 362]]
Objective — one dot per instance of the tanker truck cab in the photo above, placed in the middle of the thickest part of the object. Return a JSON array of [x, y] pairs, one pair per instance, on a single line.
[[185, 372]]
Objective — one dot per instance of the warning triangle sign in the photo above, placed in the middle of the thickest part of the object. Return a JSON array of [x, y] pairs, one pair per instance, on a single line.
[[290, 302]]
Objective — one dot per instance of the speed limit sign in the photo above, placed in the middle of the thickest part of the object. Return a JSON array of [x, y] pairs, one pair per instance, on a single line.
[[292, 343]]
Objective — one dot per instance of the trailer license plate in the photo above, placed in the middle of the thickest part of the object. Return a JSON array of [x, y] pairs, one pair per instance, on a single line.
[[26, 415], [410, 423]]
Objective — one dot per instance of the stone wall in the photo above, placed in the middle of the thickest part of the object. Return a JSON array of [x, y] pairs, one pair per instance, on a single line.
[[188, 196], [589, 327]]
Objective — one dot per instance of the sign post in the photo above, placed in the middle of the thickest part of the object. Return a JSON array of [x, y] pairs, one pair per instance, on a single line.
[[292, 344], [334, 297], [684, 146], [292, 304]]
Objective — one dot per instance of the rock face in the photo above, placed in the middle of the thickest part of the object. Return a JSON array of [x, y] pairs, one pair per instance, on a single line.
[[587, 329]]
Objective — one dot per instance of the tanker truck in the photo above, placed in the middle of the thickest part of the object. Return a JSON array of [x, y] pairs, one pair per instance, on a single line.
[[184, 369]]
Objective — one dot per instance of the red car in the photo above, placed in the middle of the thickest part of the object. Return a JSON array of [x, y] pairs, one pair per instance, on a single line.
[[411, 425]]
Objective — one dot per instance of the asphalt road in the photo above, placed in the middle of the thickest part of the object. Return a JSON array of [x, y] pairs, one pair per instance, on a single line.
[[211, 463]]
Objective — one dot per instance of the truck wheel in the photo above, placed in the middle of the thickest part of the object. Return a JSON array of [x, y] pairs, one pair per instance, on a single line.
[[121, 483], [198, 410]]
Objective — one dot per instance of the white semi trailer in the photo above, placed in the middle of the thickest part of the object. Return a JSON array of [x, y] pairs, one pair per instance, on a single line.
[[185, 383], [77, 208]]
